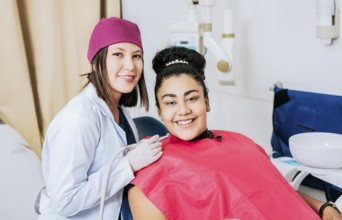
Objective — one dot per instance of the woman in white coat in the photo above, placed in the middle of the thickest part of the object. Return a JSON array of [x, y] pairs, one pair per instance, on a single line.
[[87, 133]]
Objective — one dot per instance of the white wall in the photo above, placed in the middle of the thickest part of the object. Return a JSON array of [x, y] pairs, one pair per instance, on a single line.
[[275, 41]]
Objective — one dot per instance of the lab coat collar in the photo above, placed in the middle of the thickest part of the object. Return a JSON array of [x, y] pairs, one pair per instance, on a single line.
[[90, 92]]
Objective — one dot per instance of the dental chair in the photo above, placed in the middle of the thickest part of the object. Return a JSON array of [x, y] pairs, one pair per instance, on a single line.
[[297, 112], [146, 126], [149, 126]]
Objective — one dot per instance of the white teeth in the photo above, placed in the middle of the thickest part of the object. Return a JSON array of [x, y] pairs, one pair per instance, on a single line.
[[184, 122], [126, 77]]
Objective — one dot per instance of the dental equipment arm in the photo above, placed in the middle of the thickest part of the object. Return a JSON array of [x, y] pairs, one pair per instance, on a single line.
[[222, 52], [223, 61]]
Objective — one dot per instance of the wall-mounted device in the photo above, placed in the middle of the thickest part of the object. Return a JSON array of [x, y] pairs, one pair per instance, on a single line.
[[223, 51], [328, 21], [197, 34], [186, 34], [227, 43]]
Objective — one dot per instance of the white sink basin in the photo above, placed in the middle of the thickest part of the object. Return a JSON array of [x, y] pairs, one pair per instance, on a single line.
[[317, 149]]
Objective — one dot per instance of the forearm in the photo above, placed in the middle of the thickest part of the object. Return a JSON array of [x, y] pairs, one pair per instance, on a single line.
[[329, 213], [312, 202], [142, 207]]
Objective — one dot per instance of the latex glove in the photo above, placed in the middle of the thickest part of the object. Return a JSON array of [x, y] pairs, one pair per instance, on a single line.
[[145, 152]]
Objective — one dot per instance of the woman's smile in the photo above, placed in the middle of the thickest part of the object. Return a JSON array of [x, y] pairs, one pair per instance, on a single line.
[[185, 122]]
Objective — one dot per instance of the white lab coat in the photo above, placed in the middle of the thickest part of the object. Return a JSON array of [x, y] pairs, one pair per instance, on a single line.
[[80, 143]]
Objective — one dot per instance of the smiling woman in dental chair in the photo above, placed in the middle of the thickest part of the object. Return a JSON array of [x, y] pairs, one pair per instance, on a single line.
[[208, 174]]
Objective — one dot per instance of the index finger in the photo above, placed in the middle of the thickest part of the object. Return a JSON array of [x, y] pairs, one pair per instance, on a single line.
[[152, 139]]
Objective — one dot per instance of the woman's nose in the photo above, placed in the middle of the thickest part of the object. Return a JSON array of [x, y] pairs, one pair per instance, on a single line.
[[129, 63], [184, 109]]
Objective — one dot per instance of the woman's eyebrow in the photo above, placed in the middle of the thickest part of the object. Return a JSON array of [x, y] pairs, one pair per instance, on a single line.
[[190, 91], [168, 95], [185, 93]]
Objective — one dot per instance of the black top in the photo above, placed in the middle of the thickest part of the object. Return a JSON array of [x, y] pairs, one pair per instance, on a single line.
[[123, 123]]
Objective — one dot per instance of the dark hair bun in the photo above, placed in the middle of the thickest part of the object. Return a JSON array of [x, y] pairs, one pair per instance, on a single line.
[[173, 53]]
